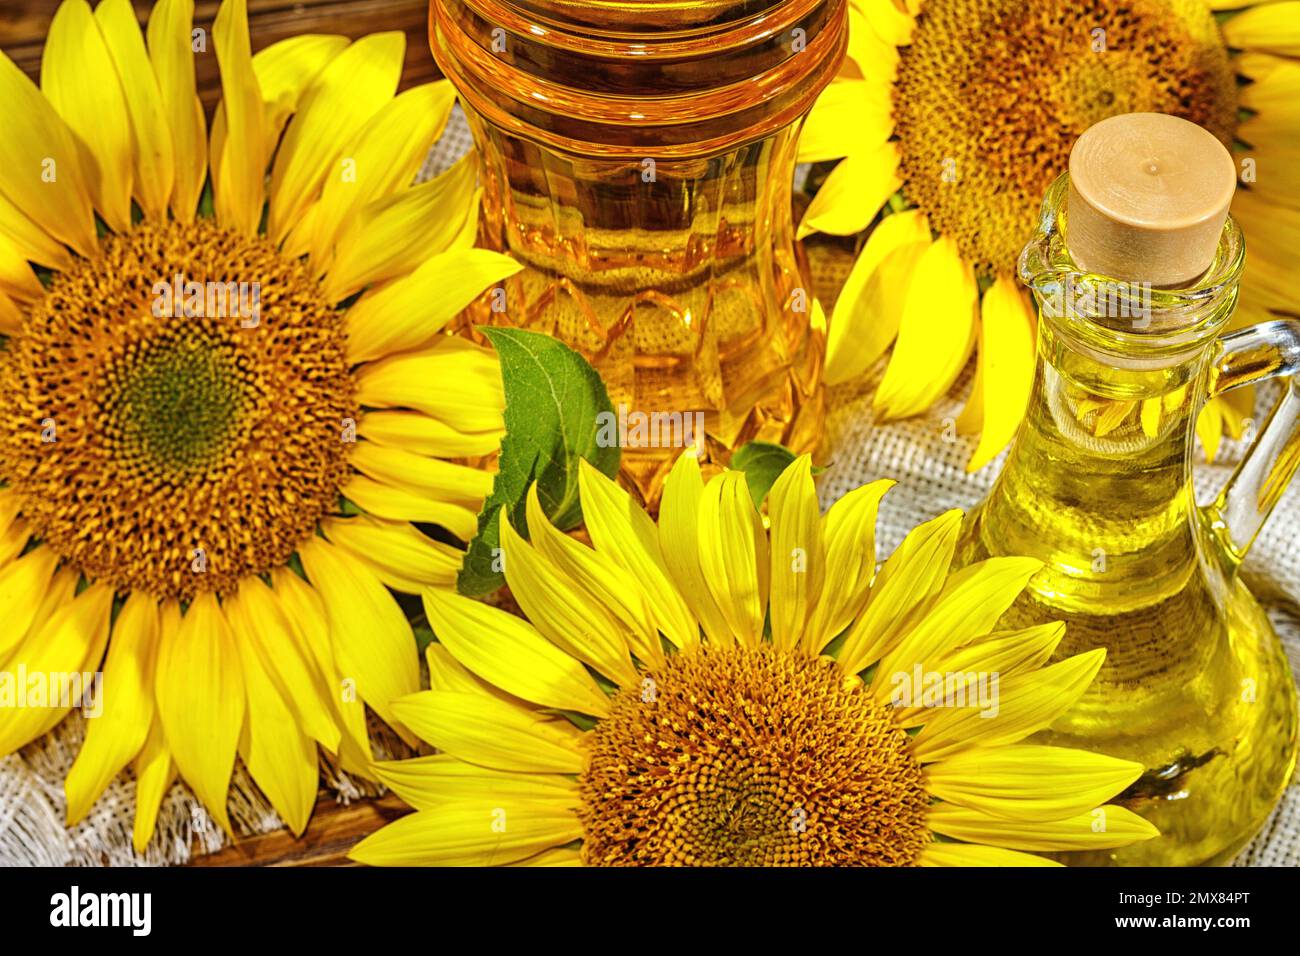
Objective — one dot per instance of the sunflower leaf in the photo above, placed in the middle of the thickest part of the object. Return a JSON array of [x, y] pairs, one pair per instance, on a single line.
[[553, 400], [762, 462]]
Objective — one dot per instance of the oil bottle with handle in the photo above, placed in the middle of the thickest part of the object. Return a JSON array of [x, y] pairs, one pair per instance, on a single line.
[[1135, 269]]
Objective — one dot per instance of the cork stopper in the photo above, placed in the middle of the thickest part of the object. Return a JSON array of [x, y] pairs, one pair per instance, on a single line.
[[1148, 197]]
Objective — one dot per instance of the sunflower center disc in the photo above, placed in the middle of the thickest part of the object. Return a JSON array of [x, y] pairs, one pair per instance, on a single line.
[[740, 757], [178, 410], [990, 96]]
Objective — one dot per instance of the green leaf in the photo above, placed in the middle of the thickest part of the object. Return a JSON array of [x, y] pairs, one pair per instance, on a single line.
[[553, 398], [762, 462]]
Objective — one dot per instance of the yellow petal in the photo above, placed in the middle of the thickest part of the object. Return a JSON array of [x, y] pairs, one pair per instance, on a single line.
[[850, 535], [1209, 428], [1006, 366], [427, 436], [1096, 829], [428, 782], [967, 607], [866, 315], [351, 88], [16, 277], [679, 511], [1007, 652], [468, 394], [505, 651], [153, 165], [280, 757], [78, 77], [1030, 782], [393, 235], [33, 242], [622, 532], [1026, 703], [433, 477], [734, 555], [475, 834], [284, 71], [402, 556], [403, 504], [173, 64], [40, 165], [567, 617], [854, 192], [487, 731], [914, 574], [63, 649], [594, 574], [382, 157], [261, 627], [935, 332], [887, 21], [237, 188], [373, 643], [973, 854], [850, 116], [1272, 27], [798, 552], [11, 323], [127, 699], [200, 694], [23, 584], [410, 311], [154, 773]]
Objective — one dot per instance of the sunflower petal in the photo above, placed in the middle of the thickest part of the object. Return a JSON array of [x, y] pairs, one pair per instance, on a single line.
[[476, 834], [734, 555], [798, 553], [393, 235], [127, 701], [428, 782], [1007, 361], [850, 116], [154, 773], [866, 315], [485, 730], [427, 436], [33, 243], [403, 504], [410, 311], [853, 193], [469, 396], [373, 643], [1096, 829], [23, 583], [849, 530], [153, 166], [404, 558], [354, 85], [1271, 27], [679, 511], [200, 694], [237, 188], [914, 574], [169, 40], [439, 480], [382, 157], [973, 854], [1030, 782], [40, 167], [935, 332]]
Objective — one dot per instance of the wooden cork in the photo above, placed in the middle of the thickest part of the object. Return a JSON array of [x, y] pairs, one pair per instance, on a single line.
[[1148, 197]]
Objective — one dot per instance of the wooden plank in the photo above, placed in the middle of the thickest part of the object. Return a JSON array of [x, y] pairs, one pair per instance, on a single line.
[[24, 24], [334, 829]]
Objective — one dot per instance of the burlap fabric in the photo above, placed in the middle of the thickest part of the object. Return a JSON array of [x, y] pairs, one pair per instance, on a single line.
[[931, 478]]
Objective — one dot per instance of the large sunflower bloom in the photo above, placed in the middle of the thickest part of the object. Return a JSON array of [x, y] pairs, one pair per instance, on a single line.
[[703, 692], [215, 505], [953, 117]]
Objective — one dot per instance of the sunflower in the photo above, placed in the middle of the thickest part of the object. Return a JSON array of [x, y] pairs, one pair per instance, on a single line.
[[952, 117], [705, 692], [214, 501]]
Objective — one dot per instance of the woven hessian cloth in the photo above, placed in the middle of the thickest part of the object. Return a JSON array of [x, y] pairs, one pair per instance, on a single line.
[[931, 478]]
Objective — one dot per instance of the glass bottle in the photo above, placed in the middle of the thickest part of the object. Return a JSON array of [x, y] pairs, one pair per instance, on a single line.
[[1097, 484], [637, 158]]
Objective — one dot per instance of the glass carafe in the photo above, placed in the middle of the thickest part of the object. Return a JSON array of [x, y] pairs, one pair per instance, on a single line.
[[1097, 484], [637, 158]]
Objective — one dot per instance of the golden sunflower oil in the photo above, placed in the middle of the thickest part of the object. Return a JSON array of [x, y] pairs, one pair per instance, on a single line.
[[1195, 686], [637, 159]]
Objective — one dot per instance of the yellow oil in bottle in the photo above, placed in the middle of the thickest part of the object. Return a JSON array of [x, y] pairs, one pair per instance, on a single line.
[[1195, 686], [637, 159]]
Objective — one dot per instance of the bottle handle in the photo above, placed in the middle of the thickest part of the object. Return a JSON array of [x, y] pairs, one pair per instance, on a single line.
[[1256, 354]]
